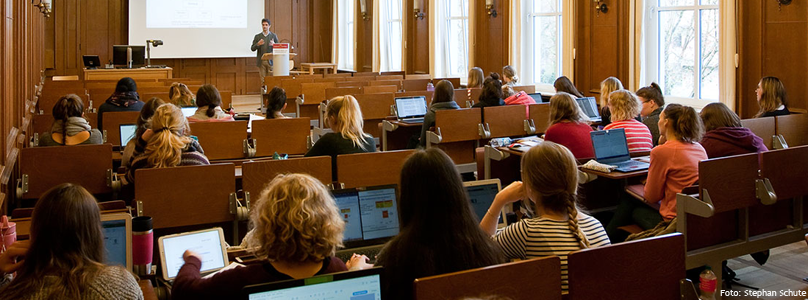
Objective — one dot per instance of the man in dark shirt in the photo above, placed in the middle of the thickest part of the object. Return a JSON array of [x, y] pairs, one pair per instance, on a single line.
[[262, 42]]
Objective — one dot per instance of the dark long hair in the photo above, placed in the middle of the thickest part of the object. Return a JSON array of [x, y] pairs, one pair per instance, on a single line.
[[492, 91], [66, 107], [275, 101], [439, 233], [564, 84], [66, 242], [209, 96]]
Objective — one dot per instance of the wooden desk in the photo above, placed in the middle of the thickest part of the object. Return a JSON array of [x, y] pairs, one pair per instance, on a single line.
[[395, 134], [148, 289], [140, 73], [313, 66]]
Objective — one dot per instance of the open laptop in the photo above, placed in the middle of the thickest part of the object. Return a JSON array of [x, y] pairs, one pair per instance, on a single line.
[[127, 133], [353, 285], [481, 194], [208, 243], [371, 219], [91, 62], [118, 239], [590, 108], [411, 109], [536, 97], [611, 148], [188, 111]]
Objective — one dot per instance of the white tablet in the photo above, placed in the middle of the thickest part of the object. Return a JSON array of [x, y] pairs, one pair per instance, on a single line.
[[481, 194], [208, 243]]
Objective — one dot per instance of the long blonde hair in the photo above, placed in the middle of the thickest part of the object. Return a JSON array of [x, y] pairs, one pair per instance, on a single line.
[[551, 172], [774, 95], [347, 118], [476, 78], [509, 72], [296, 220], [624, 105], [563, 107], [607, 86], [165, 147], [180, 95]]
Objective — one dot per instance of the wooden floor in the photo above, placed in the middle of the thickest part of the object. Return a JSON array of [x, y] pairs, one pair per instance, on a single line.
[[785, 270]]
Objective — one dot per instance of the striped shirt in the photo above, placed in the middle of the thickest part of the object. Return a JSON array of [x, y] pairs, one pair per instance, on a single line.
[[188, 158], [540, 237], [637, 134]]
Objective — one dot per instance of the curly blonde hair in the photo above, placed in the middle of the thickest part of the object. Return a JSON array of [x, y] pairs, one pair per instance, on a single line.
[[297, 220], [165, 147], [624, 105]]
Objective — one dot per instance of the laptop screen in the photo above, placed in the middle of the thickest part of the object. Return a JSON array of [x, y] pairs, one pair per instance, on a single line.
[[369, 213], [207, 243], [610, 145], [127, 133], [355, 285], [188, 111], [115, 235], [536, 97], [481, 197], [411, 107], [589, 107]]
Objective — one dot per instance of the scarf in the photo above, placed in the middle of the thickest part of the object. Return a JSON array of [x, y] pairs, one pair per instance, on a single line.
[[75, 125], [123, 99]]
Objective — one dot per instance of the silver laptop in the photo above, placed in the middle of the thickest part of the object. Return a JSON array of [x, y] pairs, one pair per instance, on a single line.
[[208, 243], [118, 239], [127, 133], [188, 111], [611, 148], [590, 108], [371, 219], [481, 194], [411, 109]]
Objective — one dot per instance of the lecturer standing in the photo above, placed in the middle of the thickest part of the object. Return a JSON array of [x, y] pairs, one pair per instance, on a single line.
[[263, 43]]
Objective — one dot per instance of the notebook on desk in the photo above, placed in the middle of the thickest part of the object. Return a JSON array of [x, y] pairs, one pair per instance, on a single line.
[[481, 194], [353, 285], [117, 229], [590, 108], [208, 243], [611, 148], [411, 109], [371, 219]]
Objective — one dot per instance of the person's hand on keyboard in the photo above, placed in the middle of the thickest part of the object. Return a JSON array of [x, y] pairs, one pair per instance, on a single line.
[[358, 262]]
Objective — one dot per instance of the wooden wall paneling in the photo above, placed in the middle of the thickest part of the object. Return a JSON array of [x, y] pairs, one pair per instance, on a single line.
[[364, 39], [417, 39], [320, 39], [491, 51], [95, 31], [602, 45], [224, 73]]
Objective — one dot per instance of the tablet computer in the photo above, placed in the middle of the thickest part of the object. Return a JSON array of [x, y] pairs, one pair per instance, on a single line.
[[208, 243]]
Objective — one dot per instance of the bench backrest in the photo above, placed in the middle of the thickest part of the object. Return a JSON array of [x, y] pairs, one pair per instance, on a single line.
[[257, 174], [221, 140], [280, 135], [370, 169], [46, 167]]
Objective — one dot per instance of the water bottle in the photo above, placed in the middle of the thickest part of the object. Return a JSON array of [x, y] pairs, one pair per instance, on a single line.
[[430, 87], [707, 284], [142, 245], [501, 142], [8, 230]]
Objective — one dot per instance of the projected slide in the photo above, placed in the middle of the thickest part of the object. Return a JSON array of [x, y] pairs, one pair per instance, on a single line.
[[196, 14]]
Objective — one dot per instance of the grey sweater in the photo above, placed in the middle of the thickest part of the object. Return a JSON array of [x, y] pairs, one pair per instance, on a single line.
[[111, 283], [429, 118]]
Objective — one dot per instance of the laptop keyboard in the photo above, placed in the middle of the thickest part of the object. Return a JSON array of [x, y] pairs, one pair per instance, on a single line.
[[370, 251], [630, 163], [413, 120]]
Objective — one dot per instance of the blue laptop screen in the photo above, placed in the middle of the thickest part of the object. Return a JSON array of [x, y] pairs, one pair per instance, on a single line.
[[115, 241], [411, 107], [589, 107], [610, 145], [368, 214], [326, 288]]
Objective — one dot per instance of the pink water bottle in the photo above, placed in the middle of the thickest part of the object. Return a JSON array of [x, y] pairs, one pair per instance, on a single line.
[[8, 230], [142, 245]]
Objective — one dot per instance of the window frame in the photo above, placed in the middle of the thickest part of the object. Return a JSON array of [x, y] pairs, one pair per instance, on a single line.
[[525, 39], [346, 20]]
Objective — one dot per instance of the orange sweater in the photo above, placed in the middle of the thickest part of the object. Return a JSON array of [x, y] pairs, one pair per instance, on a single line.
[[674, 166]]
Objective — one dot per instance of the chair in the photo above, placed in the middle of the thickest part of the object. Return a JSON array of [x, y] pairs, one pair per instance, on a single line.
[[456, 133], [42, 168], [204, 189], [503, 121], [370, 169], [377, 89], [762, 127], [256, 174], [793, 129], [221, 140], [631, 270], [539, 119], [375, 108], [415, 84], [538, 278], [290, 136], [112, 122]]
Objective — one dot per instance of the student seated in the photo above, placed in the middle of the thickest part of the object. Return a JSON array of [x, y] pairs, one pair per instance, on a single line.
[[625, 107], [439, 232], [492, 92], [771, 97], [276, 103], [607, 86], [125, 98], [69, 122], [515, 98], [344, 117], [509, 77], [66, 254], [135, 146], [674, 166], [724, 135], [180, 95], [569, 126], [475, 80], [564, 84], [652, 104], [168, 144], [443, 98], [209, 104], [550, 175], [296, 229]]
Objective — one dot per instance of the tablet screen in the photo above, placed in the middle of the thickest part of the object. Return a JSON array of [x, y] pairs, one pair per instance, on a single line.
[[207, 244]]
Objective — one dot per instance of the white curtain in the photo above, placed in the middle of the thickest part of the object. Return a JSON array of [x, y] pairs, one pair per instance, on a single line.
[[376, 17], [636, 47], [728, 47], [515, 40], [335, 42]]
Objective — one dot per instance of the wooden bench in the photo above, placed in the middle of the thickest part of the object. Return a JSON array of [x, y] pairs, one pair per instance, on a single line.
[[257, 174], [50, 96], [289, 136], [456, 133], [112, 122], [529, 89], [427, 95], [378, 89], [330, 93], [370, 169], [414, 85], [643, 269], [763, 127], [503, 121], [418, 76], [455, 81], [308, 105], [793, 129], [42, 168], [221, 140], [390, 76], [539, 119], [538, 278], [352, 83], [377, 82], [375, 108]]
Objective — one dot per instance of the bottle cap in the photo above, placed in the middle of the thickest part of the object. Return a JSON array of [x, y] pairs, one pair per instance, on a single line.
[[6, 226]]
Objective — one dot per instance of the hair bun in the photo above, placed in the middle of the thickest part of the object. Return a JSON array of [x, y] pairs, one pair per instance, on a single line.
[[656, 86], [494, 75]]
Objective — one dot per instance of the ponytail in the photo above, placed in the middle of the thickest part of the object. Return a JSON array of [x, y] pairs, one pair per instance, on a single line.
[[209, 96], [685, 122], [652, 93], [348, 118], [66, 107], [165, 147]]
